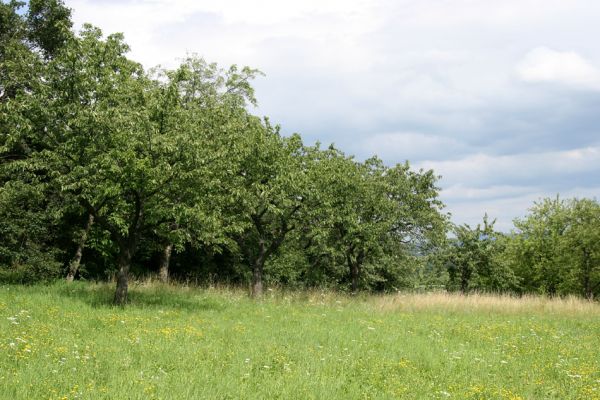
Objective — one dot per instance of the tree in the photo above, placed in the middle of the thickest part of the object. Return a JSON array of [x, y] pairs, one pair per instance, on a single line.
[[28, 231], [362, 220], [555, 248], [273, 195], [419, 227], [215, 101], [582, 245], [535, 251], [30, 207], [472, 259], [371, 218]]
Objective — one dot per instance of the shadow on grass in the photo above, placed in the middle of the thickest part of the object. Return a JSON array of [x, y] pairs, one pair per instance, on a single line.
[[100, 295]]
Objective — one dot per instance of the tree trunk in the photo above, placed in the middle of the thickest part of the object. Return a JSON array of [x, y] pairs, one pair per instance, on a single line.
[[587, 287], [354, 266], [76, 261], [355, 275], [355, 263], [588, 290], [127, 248], [124, 261], [257, 271], [164, 263], [257, 284], [465, 277], [464, 285]]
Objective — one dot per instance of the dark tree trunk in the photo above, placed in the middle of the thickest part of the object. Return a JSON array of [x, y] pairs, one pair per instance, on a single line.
[[127, 248], [164, 263], [588, 289], [355, 276], [465, 276], [76, 261], [355, 265], [123, 262], [265, 249], [257, 270], [257, 284]]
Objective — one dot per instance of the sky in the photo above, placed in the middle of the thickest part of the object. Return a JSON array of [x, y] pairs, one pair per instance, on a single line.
[[499, 98]]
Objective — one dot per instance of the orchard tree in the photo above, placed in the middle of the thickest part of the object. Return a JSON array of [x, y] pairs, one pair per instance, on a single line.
[[362, 215], [215, 101], [371, 218], [90, 91], [31, 210], [473, 260], [555, 248], [535, 251], [419, 226], [272, 195], [582, 245]]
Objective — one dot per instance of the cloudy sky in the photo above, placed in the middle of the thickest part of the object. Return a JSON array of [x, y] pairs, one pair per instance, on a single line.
[[500, 98]]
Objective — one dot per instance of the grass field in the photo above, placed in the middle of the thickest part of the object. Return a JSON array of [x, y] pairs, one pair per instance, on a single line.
[[67, 342]]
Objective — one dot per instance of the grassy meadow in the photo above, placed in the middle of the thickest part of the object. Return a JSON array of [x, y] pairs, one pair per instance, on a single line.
[[67, 342]]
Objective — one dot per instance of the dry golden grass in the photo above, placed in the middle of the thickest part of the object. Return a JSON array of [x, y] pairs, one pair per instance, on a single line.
[[402, 301], [477, 302]]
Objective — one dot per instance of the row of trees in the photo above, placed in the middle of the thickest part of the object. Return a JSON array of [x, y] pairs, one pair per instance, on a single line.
[[99, 154], [554, 250], [107, 169]]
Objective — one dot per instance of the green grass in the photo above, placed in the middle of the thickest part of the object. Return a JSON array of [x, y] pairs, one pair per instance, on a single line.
[[66, 342]]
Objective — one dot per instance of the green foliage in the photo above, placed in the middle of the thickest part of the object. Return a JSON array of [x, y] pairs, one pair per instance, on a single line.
[[30, 210], [50, 25], [27, 250], [474, 262], [370, 219], [582, 246], [556, 248]]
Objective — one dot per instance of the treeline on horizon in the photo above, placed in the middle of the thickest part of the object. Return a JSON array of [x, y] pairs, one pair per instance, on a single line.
[[109, 171]]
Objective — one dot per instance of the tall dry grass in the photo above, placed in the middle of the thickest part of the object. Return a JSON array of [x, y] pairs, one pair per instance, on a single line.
[[402, 301], [479, 302]]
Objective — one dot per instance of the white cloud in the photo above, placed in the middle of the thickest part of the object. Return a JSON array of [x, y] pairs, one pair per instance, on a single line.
[[568, 68], [487, 170], [399, 146], [462, 193], [160, 31], [506, 186]]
